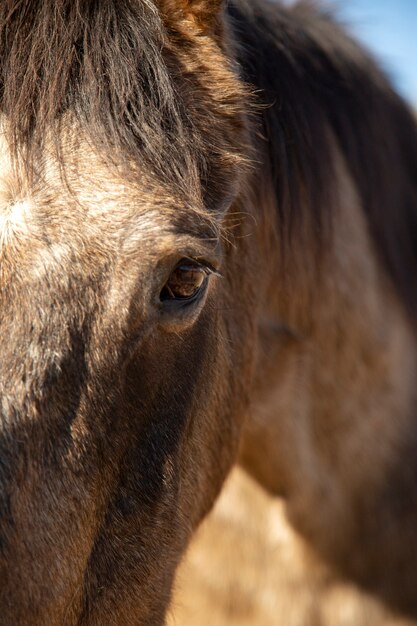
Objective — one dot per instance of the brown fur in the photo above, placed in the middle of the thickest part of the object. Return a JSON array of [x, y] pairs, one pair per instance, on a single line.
[[130, 141]]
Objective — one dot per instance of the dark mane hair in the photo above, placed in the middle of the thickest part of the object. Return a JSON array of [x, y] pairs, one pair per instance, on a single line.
[[111, 66], [316, 78], [92, 59]]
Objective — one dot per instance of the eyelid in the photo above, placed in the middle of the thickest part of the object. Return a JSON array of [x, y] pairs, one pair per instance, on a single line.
[[214, 272], [208, 267]]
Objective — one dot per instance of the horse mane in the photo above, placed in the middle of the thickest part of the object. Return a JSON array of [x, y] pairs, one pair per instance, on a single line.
[[105, 63], [314, 78]]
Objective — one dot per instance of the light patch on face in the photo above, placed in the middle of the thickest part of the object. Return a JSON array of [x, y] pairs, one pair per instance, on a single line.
[[15, 208], [14, 222], [48, 260]]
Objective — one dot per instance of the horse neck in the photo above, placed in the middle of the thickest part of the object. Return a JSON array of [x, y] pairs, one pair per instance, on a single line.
[[336, 371]]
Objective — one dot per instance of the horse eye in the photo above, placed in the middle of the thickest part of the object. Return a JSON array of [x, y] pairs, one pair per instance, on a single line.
[[185, 282]]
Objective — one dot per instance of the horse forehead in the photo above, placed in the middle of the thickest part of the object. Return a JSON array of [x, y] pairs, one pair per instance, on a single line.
[[91, 200]]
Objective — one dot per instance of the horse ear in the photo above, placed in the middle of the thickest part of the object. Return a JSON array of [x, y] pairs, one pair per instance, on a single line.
[[204, 12]]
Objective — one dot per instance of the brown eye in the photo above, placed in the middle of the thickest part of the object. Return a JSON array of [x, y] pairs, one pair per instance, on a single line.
[[185, 282]]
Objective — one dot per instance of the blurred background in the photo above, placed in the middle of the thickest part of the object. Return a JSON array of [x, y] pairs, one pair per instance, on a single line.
[[389, 29]]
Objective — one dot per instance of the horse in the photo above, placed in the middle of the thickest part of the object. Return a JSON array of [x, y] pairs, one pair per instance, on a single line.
[[208, 229]]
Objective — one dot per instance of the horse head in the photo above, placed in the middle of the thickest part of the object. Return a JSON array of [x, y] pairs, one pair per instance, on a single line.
[[125, 338]]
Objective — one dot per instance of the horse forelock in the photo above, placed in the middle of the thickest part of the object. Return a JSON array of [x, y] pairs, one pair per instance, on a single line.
[[111, 70]]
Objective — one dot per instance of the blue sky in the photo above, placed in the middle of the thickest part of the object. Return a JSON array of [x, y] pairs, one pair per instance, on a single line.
[[389, 29]]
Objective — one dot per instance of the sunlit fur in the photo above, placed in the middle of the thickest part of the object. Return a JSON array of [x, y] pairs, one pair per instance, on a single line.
[[257, 140]]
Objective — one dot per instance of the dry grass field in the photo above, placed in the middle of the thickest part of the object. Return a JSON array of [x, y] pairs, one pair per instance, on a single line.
[[246, 567]]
